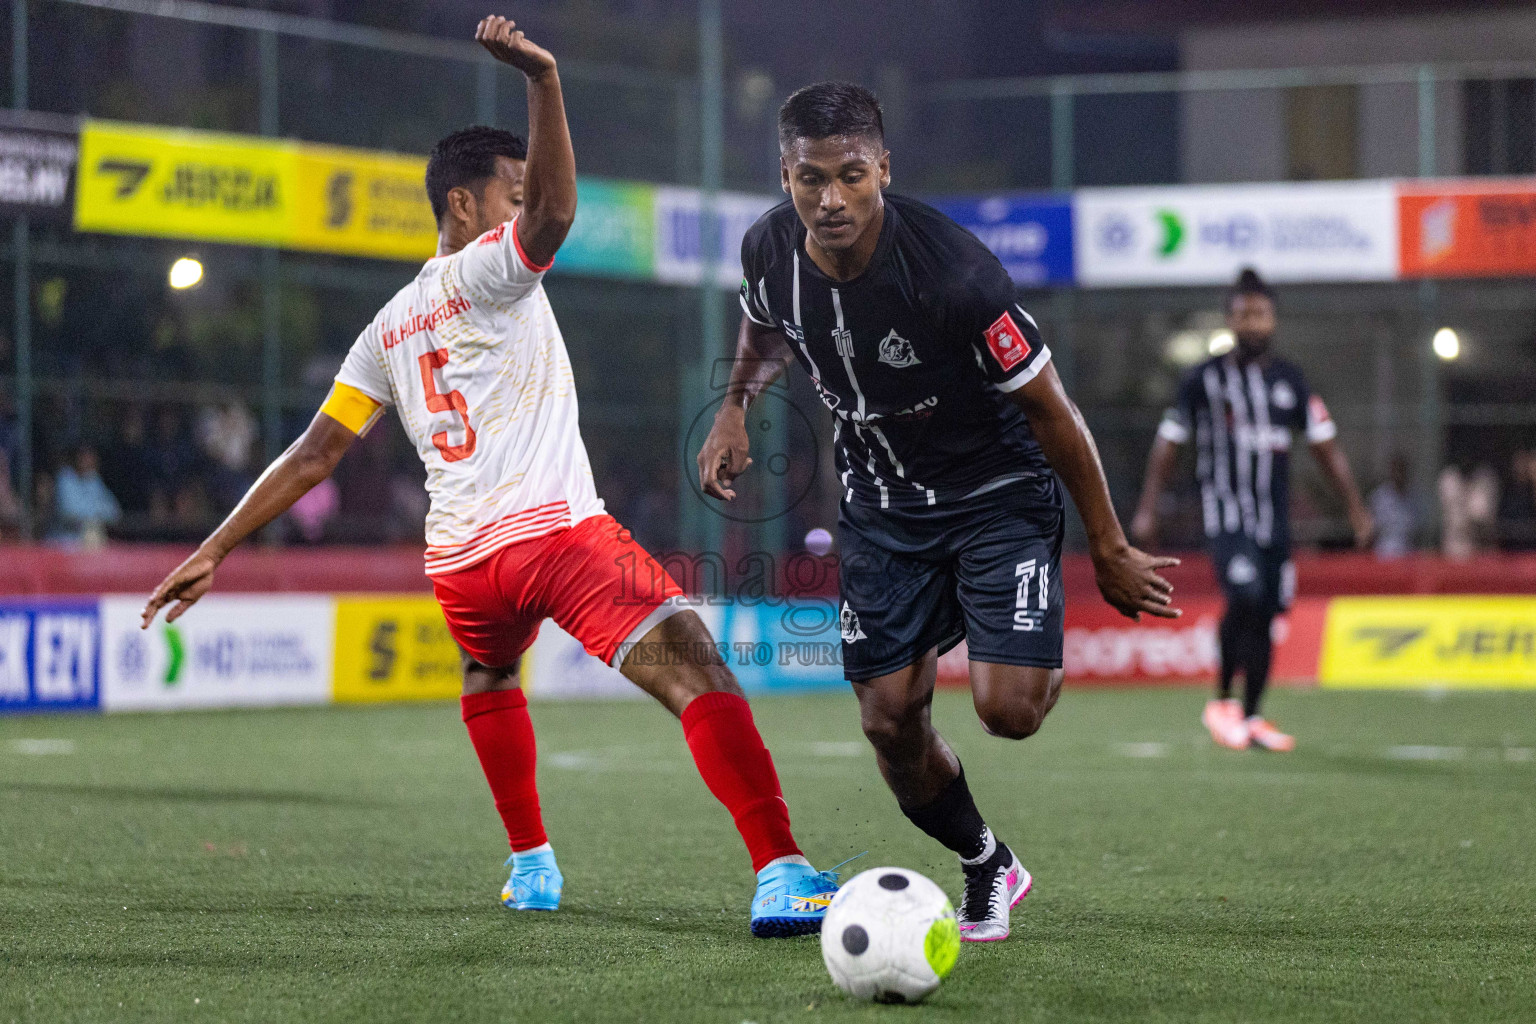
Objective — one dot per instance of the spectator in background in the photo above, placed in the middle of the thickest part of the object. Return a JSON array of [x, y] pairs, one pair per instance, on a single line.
[[1469, 505], [10, 502], [311, 513], [1483, 507], [130, 465], [225, 434], [83, 507], [1396, 514], [173, 465], [1517, 510]]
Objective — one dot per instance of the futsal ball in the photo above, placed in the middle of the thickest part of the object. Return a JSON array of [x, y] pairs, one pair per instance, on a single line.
[[818, 541], [890, 935]]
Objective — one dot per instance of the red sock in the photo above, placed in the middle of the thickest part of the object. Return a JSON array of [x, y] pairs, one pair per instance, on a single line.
[[738, 769], [502, 733]]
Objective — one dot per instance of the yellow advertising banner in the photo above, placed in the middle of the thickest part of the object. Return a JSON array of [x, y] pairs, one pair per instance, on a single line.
[[394, 648], [362, 204], [145, 180], [1450, 641], [141, 180]]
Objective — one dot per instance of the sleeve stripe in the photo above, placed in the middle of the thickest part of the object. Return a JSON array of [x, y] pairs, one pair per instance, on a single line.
[[351, 407], [747, 309], [517, 244], [1027, 374]]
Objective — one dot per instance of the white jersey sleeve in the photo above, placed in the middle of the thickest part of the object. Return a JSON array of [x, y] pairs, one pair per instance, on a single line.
[[494, 270], [365, 368]]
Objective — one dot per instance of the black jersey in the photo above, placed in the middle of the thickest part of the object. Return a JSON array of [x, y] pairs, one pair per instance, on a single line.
[[1242, 418], [914, 357]]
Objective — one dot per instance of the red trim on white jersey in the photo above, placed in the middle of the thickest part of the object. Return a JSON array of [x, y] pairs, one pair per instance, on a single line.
[[517, 243], [525, 525]]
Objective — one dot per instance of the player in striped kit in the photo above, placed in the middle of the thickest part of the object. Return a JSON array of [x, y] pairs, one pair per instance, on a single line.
[[1240, 409], [471, 357]]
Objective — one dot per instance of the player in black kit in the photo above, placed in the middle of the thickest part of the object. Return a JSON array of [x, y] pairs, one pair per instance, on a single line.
[[953, 441], [1241, 408]]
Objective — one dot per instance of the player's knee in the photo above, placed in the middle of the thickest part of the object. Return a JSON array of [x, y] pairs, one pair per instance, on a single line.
[[1017, 712], [891, 727], [1013, 723]]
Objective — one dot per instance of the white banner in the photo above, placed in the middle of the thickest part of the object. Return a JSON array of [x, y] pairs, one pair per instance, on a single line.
[[678, 257], [226, 652], [1301, 231]]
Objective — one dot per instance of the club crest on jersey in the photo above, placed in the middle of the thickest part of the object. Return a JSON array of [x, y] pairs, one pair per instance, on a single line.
[[1283, 395], [897, 351], [848, 624], [1006, 342]]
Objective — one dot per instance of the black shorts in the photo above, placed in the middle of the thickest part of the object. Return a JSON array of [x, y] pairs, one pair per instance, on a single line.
[[1261, 579], [986, 569]]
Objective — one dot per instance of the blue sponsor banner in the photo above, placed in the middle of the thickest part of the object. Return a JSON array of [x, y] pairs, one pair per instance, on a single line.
[[783, 646], [1030, 234], [50, 655]]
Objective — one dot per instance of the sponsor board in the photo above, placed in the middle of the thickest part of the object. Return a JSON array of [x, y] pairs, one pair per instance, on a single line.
[[50, 656], [780, 647], [1192, 235], [1102, 646], [679, 241], [1460, 641], [1030, 234], [783, 646], [1468, 229], [227, 651], [614, 231], [393, 648], [37, 165], [141, 180], [361, 204]]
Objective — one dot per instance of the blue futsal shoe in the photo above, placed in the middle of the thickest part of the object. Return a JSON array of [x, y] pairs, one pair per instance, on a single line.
[[791, 899], [536, 882]]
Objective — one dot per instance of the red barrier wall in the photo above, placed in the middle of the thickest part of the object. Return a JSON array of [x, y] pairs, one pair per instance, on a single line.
[[131, 568]]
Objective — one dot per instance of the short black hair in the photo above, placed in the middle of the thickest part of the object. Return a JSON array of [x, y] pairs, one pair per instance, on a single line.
[[826, 109], [1249, 283], [466, 157]]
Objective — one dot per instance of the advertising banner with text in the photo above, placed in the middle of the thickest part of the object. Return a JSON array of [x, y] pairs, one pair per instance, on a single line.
[[391, 648], [1030, 234], [37, 165], [1203, 235], [1468, 228], [1460, 641], [50, 655], [227, 651]]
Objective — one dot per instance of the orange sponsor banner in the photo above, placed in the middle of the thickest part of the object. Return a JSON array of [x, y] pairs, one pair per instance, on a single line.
[[1468, 228]]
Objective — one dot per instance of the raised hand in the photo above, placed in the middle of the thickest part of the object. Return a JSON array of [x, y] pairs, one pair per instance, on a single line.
[[504, 42], [1129, 581]]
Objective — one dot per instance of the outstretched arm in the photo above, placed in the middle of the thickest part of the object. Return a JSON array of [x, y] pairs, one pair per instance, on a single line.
[[1336, 465], [762, 354], [549, 184], [1127, 578], [307, 461], [1159, 468]]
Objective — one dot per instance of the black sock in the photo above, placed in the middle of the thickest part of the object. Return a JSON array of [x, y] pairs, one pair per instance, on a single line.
[[952, 819], [1233, 634], [1256, 665]]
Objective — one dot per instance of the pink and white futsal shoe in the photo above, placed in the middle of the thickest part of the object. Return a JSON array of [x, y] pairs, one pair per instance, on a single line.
[[1224, 719], [991, 891]]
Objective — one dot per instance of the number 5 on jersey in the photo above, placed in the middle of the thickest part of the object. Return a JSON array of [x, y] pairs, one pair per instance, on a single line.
[[450, 402]]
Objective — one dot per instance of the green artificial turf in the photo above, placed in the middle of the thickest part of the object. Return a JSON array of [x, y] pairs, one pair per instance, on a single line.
[[343, 864]]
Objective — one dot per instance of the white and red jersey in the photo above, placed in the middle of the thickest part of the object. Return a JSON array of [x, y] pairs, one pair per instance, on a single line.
[[471, 357]]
